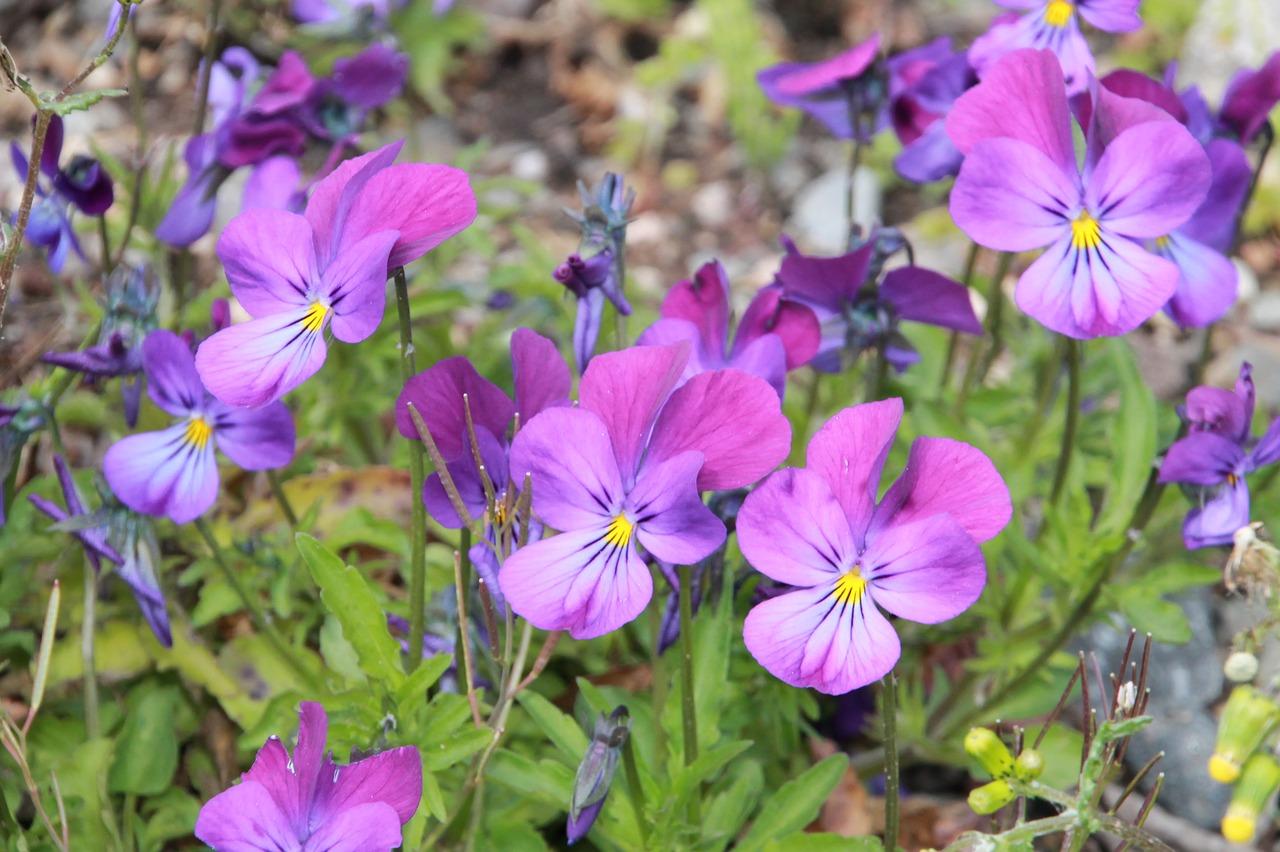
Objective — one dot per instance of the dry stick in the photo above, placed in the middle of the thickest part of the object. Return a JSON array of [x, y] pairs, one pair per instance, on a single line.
[[460, 586], [544, 657]]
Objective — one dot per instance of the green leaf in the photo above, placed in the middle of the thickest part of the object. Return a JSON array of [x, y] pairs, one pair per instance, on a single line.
[[338, 652], [729, 811], [559, 728], [410, 695], [81, 100], [1134, 441], [433, 797], [1164, 620], [708, 764], [545, 781], [146, 752], [796, 804], [825, 842], [348, 596], [442, 755]]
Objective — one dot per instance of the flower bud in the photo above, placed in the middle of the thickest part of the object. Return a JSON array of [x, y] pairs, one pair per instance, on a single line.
[[1247, 718], [990, 752], [991, 797], [595, 773], [1029, 765], [1258, 783], [1240, 667]]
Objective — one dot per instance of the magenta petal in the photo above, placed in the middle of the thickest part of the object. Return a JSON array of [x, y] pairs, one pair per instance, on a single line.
[[576, 581], [270, 260], [626, 389], [1011, 197], [1021, 97], [1208, 284], [1202, 458], [1268, 447], [254, 438], [172, 381], [849, 452], [946, 476], [308, 757], [1150, 180], [355, 283], [466, 479], [815, 77], [794, 323], [792, 529], [427, 204], [703, 301], [671, 332], [270, 772], [1250, 98], [923, 295], [245, 818], [804, 640], [370, 827], [734, 419], [928, 570], [1134, 84], [392, 777], [540, 375], [671, 521], [765, 357], [259, 361], [327, 210], [437, 394], [575, 479], [161, 473]]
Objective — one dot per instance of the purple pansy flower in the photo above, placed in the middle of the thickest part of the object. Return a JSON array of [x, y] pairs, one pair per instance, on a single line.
[[1215, 458], [542, 381], [1250, 98], [306, 802], [298, 275], [821, 530], [839, 92], [1020, 188], [336, 107], [697, 310], [923, 84], [173, 472], [626, 468], [1052, 25], [83, 184], [856, 313]]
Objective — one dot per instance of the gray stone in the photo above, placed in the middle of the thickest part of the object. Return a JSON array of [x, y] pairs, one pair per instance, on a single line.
[[819, 219], [1227, 35], [1264, 311], [712, 204]]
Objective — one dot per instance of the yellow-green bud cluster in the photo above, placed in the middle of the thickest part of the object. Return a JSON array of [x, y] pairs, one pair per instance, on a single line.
[[1258, 783], [1248, 717], [994, 756]]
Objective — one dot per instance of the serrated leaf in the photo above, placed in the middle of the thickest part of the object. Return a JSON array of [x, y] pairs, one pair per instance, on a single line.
[[81, 100], [710, 762], [415, 686], [347, 595], [796, 804]]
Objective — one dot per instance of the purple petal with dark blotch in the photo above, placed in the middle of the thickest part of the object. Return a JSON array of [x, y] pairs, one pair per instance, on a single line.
[[1011, 197], [734, 419], [923, 295], [247, 141], [1149, 181], [174, 384], [1215, 523], [540, 376], [849, 452], [673, 524], [253, 438], [1250, 98], [792, 529], [163, 473], [826, 282], [1021, 97], [943, 476], [355, 284], [86, 184], [1202, 458], [928, 570], [437, 394], [1209, 282], [257, 362], [1214, 222], [270, 259], [569, 457], [372, 77]]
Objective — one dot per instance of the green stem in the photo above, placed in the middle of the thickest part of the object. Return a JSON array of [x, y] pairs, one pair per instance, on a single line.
[[889, 696], [995, 314], [93, 727], [277, 491], [10, 259], [635, 791], [953, 345], [417, 473], [1073, 418], [659, 693], [688, 710], [107, 264], [461, 572], [206, 69]]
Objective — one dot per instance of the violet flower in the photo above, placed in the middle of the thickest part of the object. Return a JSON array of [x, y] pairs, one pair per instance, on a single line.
[[443, 394], [307, 802], [298, 275], [776, 334], [820, 529], [336, 107], [1052, 25], [858, 314], [1215, 458], [1249, 99], [625, 469], [83, 185], [923, 84], [846, 93], [1020, 188], [173, 472]]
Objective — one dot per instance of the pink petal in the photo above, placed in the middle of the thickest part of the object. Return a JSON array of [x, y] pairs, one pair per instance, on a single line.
[[570, 461], [427, 204], [734, 419], [792, 529], [257, 362], [673, 524], [794, 323], [849, 452], [308, 757], [270, 259], [332, 197], [1150, 180], [1011, 197], [356, 286], [703, 301], [245, 818], [540, 375], [392, 777], [437, 394], [928, 570]]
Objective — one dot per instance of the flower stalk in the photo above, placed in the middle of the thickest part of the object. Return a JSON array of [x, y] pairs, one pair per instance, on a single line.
[[688, 709], [889, 704], [417, 474]]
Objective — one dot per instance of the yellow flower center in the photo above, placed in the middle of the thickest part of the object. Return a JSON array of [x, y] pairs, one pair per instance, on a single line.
[[619, 532], [1058, 13], [850, 586], [314, 319], [1086, 233], [198, 433], [1162, 243]]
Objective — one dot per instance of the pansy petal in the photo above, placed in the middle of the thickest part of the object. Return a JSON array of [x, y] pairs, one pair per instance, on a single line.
[[734, 419], [927, 570], [586, 326], [356, 286], [426, 203], [467, 482], [1268, 448], [392, 777], [671, 520], [163, 473], [669, 332], [540, 376], [173, 383], [792, 529], [849, 452], [270, 260], [1112, 16], [309, 756], [1134, 84], [951, 477], [923, 295], [625, 390], [1201, 458], [1250, 98], [273, 185], [1208, 285], [327, 209], [244, 818], [765, 357], [932, 156], [703, 301], [578, 582], [794, 323], [1150, 180], [575, 490], [271, 773], [1214, 222], [369, 827], [1215, 523], [438, 395], [827, 282], [1220, 411], [191, 214], [257, 362], [254, 438], [1011, 197]]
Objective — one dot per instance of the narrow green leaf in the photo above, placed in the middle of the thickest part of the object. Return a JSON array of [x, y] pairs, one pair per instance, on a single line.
[[146, 752], [47, 635], [81, 100], [559, 728], [796, 804], [1135, 444], [442, 755]]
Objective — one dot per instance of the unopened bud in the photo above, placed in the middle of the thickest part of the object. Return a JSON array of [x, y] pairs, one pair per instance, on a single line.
[[1127, 696], [1258, 783], [595, 773], [990, 752], [991, 797], [1029, 765], [1246, 720], [1240, 667]]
